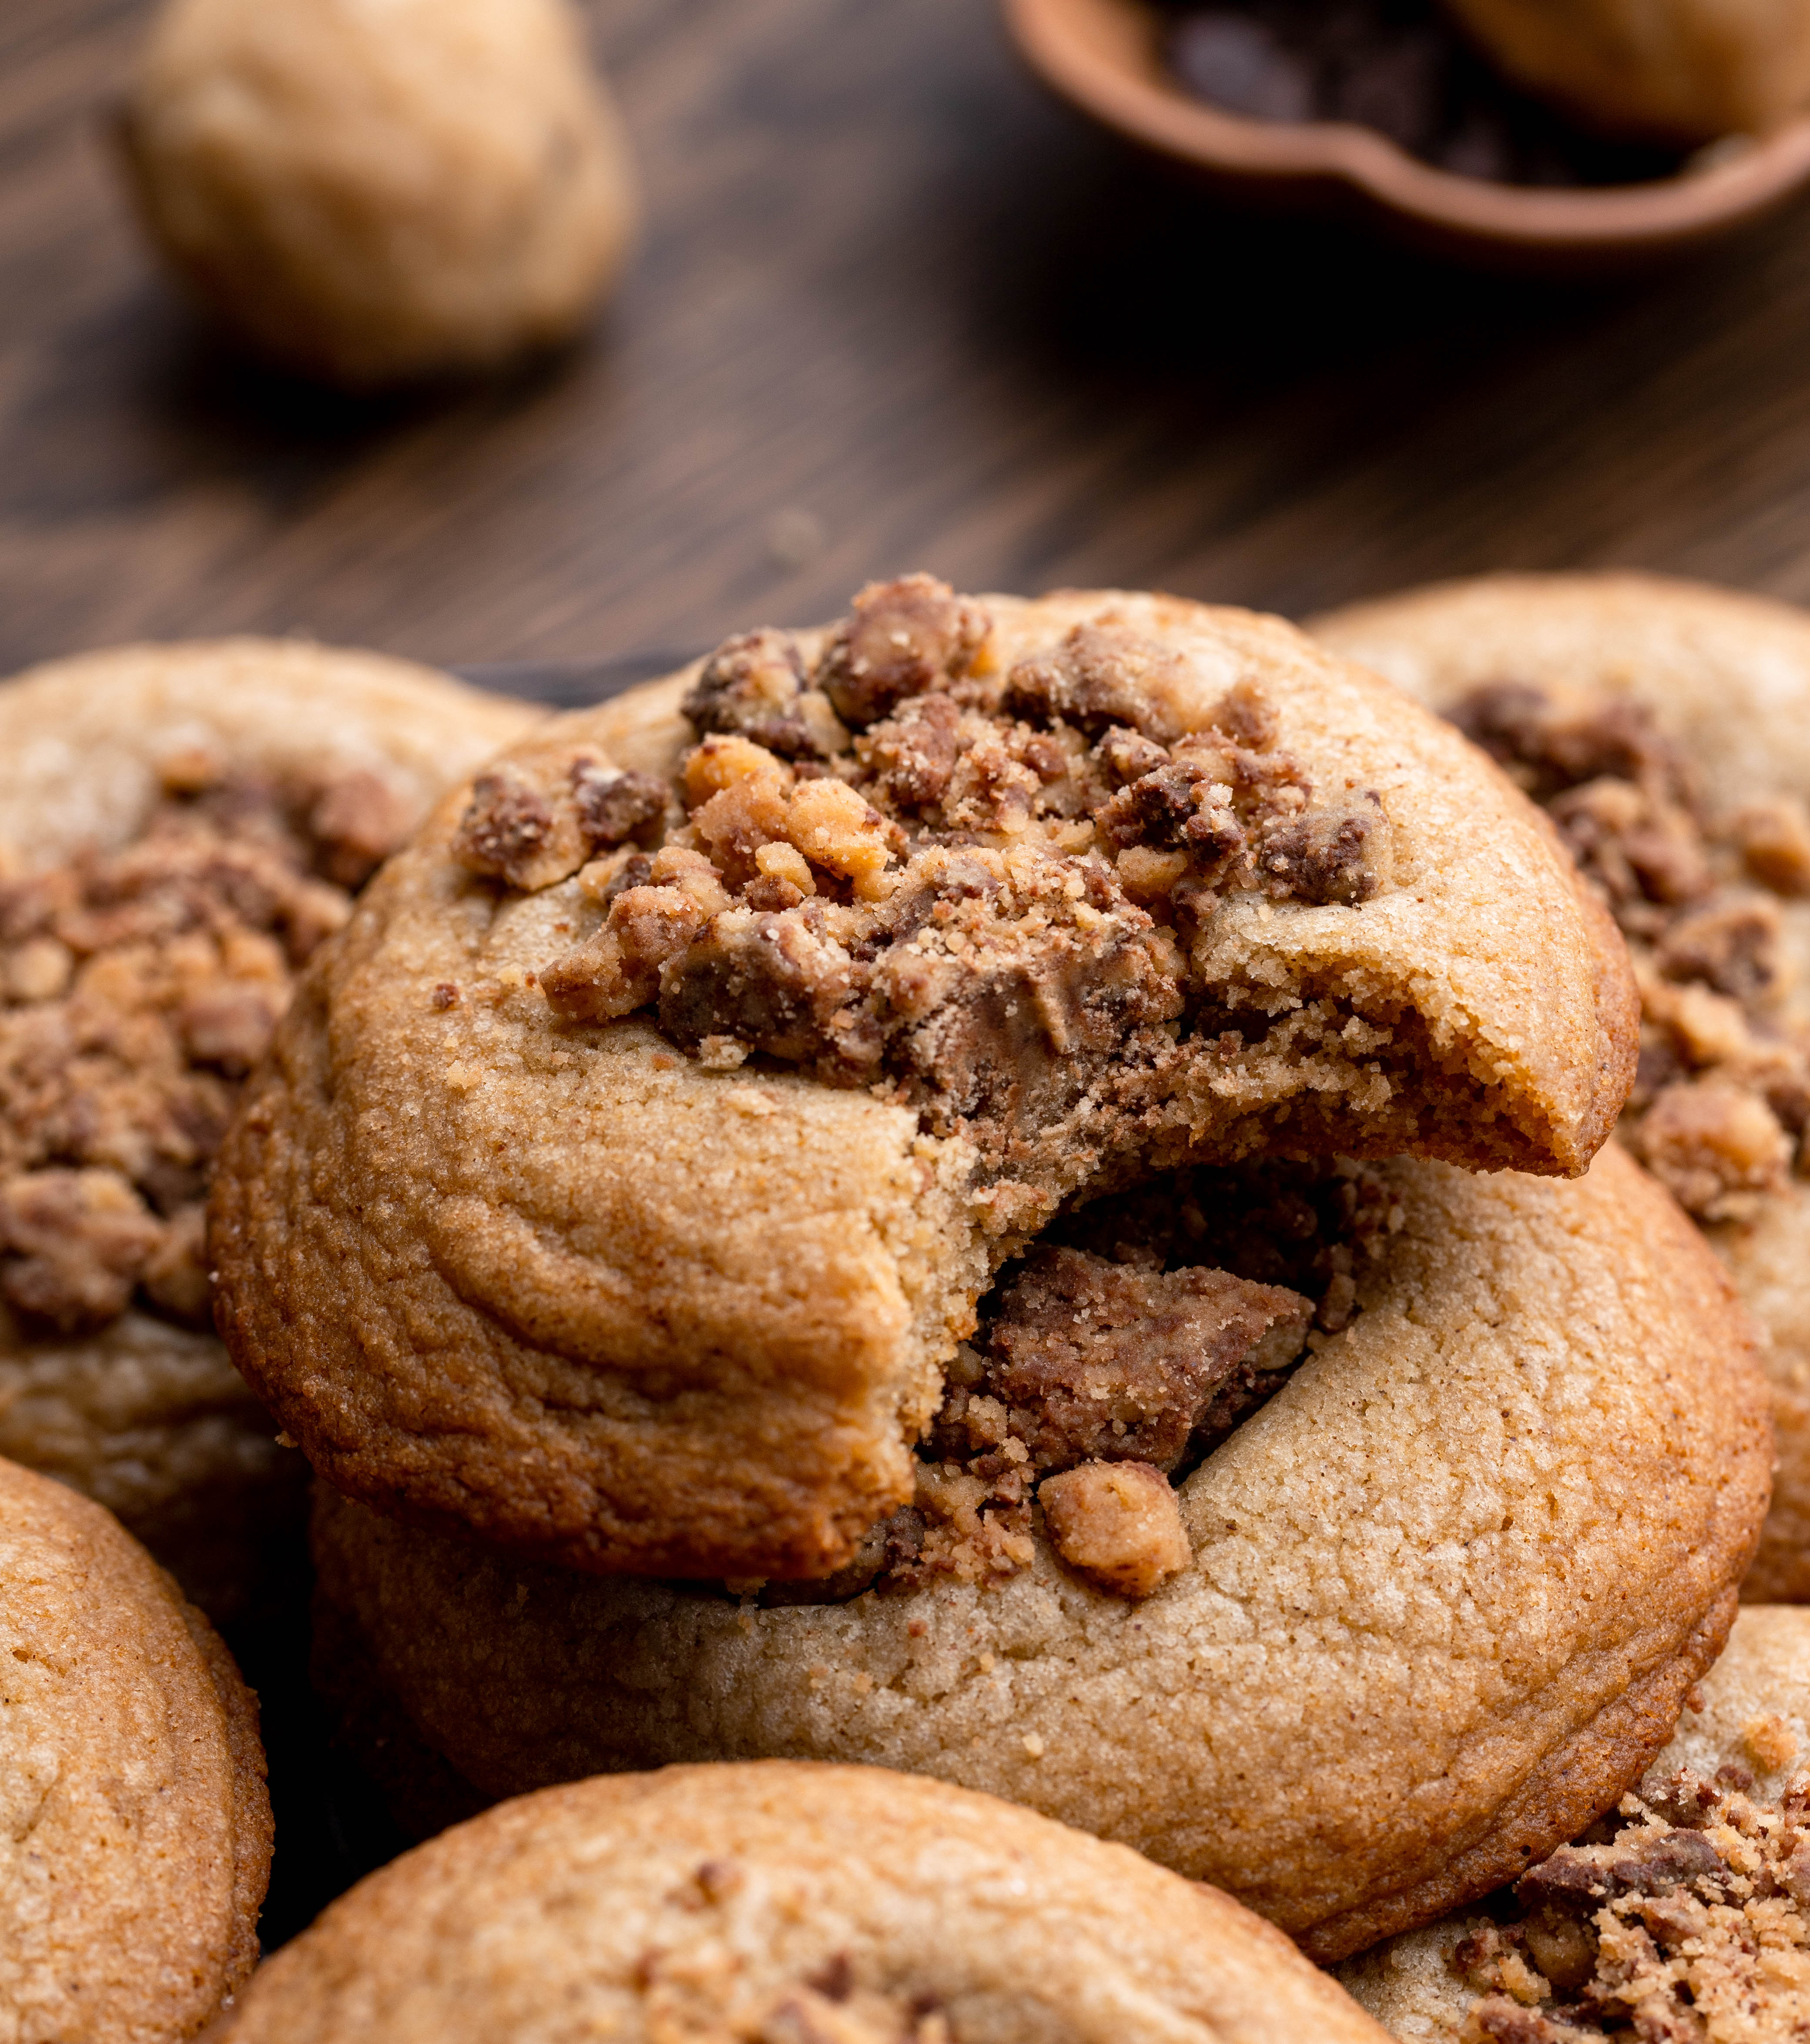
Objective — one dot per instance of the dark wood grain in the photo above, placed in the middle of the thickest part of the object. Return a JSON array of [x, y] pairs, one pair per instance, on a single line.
[[895, 309]]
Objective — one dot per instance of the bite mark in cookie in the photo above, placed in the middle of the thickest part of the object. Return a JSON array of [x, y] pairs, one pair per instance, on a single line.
[[980, 894], [995, 878], [1134, 1354], [1722, 1097]]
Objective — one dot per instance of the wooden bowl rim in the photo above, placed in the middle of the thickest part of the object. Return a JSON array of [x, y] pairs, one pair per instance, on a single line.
[[1071, 44]]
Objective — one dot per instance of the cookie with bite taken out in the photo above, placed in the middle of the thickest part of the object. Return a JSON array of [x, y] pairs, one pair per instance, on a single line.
[[625, 1182]]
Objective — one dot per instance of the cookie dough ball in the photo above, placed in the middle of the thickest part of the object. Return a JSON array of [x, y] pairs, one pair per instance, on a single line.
[[1443, 1591], [370, 193], [791, 1904], [135, 1832], [1687, 1907], [1678, 71], [1665, 728], [179, 827], [716, 1047]]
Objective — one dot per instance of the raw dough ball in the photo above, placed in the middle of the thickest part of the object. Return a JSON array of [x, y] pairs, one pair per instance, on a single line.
[[375, 190], [1681, 71]]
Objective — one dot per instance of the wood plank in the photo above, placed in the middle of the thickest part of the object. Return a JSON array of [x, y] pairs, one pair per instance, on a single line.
[[895, 309]]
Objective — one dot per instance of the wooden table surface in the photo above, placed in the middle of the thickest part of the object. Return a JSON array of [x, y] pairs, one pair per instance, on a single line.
[[895, 308]]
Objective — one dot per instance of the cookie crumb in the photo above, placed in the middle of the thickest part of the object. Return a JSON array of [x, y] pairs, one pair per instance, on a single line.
[[1771, 1741], [1118, 1523]]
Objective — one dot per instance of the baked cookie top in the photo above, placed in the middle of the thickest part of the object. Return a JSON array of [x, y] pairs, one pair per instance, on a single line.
[[1684, 1913], [1399, 1634], [135, 1833], [180, 826], [791, 1903], [714, 1048], [1664, 727]]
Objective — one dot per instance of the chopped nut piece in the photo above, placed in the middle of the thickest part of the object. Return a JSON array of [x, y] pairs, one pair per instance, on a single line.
[[1119, 1523]]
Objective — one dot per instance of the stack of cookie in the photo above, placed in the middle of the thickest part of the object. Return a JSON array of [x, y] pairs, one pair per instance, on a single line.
[[1004, 1189], [1019, 1192]]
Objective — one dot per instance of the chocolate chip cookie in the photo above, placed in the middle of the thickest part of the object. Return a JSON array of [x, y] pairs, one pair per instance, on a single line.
[[1685, 1913], [791, 1904], [1664, 727], [1352, 1635], [625, 1182], [180, 827]]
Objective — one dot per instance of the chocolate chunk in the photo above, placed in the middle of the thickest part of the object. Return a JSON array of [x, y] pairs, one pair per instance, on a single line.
[[614, 807], [1731, 944], [1102, 675], [1093, 1359], [773, 981], [1237, 63], [1338, 853], [755, 685], [904, 637], [912, 755]]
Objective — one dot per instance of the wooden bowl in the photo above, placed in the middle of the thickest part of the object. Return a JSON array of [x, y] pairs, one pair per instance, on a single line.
[[1106, 57]]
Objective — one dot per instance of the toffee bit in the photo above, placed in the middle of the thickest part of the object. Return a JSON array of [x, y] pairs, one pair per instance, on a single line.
[[754, 686], [1118, 1523]]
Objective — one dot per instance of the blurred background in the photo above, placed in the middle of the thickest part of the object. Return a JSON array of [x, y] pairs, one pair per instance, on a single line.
[[896, 307]]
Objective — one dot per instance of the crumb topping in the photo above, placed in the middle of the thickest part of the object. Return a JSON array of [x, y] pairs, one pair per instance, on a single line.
[[1681, 1920], [137, 989], [1722, 1100], [977, 892], [1128, 1343]]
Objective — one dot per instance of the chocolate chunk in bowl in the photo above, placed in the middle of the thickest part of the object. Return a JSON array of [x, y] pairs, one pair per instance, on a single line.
[[1109, 58]]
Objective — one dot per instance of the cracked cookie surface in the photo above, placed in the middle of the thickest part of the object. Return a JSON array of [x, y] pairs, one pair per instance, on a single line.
[[786, 1904], [1665, 726], [713, 1051], [180, 827]]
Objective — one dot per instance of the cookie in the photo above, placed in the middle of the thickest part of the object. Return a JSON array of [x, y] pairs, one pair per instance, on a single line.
[[1665, 727], [179, 827], [1676, 70], [135, 1832], [1687, 1911], [788, 1903], [1443, 1590], [715, 1048], [371, 195]]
